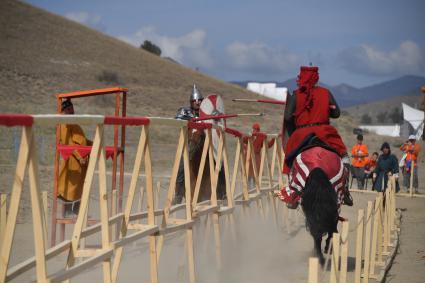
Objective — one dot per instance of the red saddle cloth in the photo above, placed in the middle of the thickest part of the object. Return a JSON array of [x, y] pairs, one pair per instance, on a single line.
[[304, 163], [84, 150]]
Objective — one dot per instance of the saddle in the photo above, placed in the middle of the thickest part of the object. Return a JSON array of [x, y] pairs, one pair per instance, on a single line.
[[310, 141]]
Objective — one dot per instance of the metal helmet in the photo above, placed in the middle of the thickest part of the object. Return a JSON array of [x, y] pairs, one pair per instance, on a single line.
[[196, 94]]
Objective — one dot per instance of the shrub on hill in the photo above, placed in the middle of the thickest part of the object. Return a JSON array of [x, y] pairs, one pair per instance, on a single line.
[[150, 47], [366, 119], [109, 77]]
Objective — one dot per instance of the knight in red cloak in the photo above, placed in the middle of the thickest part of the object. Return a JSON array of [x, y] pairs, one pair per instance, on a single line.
[[308, 112]]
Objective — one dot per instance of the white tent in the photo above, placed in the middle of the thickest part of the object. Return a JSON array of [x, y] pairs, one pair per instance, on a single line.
[[392, 130], [415, 118], [269, 90], [254, 87]]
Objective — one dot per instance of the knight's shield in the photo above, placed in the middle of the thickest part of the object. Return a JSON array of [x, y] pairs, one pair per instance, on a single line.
[[213, 105]]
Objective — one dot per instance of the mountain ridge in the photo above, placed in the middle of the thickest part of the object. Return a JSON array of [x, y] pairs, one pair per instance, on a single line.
[[348, 96]]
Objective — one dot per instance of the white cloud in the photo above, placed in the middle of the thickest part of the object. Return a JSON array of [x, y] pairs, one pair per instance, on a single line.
[[408, 58], [258, 57], [87, 19], [189, 49]]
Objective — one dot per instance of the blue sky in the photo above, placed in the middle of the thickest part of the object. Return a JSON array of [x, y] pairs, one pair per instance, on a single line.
[[356, 42]]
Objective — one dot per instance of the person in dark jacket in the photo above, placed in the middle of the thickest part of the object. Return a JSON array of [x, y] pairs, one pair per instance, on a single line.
[[386, 165]]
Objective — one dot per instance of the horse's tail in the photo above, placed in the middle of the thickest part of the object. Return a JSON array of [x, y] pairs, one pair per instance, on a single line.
[[319, 203]]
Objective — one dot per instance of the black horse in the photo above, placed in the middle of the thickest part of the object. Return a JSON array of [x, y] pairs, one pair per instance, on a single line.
[[320, 206]]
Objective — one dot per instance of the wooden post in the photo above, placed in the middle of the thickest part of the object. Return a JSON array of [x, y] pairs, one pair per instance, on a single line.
[[359, 246], [379, 244], [15, 198], [205, 151], [158, 193], [114, 230], [96, 154], [411, 178], [313, 270], [367, 242], [37, 213], [344, 252], [45, 215], [335, 257], [374, 237], [393, 207], [151, 209], [230, 200], [236, 165], [386, 224], [142, 155], [172, 186], [189, 231], [3, 216], [141, 198], [103, 205]]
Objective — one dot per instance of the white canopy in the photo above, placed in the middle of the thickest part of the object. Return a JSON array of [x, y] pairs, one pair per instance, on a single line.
[[269, 90], [392, 130], [415, 117]]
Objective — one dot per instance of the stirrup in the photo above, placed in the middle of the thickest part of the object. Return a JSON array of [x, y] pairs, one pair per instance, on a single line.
[[348, 199], [292, 205]]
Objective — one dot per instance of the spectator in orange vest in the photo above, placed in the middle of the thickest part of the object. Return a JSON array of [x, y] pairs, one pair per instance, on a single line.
[[411, 151], [359, 153]]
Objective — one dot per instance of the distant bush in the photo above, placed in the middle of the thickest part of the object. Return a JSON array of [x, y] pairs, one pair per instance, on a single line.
[[150, 47], [366, 119], [108, 77], [382, 117], [396, 115]]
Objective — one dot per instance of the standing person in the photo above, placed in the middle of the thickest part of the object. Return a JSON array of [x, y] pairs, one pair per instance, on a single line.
[[257, 143], [386, 165], [187, 114], [359, 153], [308, 111], [411, 149], [72, 171]]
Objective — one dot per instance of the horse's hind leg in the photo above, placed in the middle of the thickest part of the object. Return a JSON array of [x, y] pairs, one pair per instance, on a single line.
[[318, 248], [328, 241], [330, 234]]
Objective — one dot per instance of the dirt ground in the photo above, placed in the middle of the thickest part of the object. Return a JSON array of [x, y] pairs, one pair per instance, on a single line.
[[256, 249], [260, 250]]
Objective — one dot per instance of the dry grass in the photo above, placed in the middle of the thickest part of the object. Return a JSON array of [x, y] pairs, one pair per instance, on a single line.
[[42, 54]]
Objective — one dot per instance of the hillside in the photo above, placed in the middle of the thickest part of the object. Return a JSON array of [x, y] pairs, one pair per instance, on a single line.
[[387, 105], [42, 54]]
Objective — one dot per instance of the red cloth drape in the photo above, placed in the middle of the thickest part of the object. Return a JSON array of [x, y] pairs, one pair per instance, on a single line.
[[84, 150]]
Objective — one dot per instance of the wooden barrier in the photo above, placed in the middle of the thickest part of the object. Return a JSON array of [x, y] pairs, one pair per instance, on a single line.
[[376, 238], [3, 216], [379, 223], [313, 274]]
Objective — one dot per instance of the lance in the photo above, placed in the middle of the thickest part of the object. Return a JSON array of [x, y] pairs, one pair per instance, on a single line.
[[280, 102], [225, 116], [271, 101]]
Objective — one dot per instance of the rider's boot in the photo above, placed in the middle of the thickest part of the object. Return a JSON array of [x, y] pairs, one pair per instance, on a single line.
[[348, 199]]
